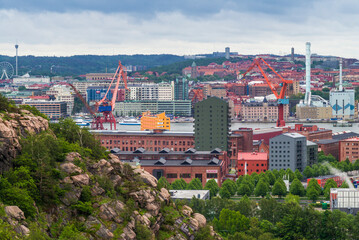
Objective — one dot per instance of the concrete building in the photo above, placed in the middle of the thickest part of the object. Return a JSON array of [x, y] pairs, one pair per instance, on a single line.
[[262, 111], [312, 153], [52, 109], [310, 112], [99, 76], [135, 108], [288, 150], [181, 89], [211, 125], [165, 92], [28, 79], [63, 93], [345, 200], [249, 162], [189, 194]]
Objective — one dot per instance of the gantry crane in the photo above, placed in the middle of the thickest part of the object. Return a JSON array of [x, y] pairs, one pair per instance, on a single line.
[[281, 96], [105, 107]]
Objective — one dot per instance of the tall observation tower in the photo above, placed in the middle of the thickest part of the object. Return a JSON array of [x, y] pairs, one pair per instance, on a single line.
[[16, 47]]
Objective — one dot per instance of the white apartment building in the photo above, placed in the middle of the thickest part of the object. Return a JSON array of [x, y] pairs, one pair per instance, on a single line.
[[63, 93], [165, 92], [27, 79]]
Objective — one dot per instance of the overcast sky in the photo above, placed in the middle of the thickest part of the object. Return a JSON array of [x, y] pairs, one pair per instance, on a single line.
[[71, 27]]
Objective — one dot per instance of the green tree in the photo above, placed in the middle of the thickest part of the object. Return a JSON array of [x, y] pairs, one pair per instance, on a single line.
[[244, 189], [163, 183], [230, 222], [289, 173], [212, 186], [195, 184], [179, 184], [313, 183], [225, 193], [298, 175], [344, 185], [230, 185], [308, 172], [247, 207], [271, 177], [290, 198], [297, 188], [279, 189], [312, 194], [262, 188], [330, 183]]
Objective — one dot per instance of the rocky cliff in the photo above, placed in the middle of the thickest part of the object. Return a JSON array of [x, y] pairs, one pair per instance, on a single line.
[[140, 208], [13, 126]]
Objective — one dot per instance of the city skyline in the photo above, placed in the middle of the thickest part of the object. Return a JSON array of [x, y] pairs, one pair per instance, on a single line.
[[43, 28]]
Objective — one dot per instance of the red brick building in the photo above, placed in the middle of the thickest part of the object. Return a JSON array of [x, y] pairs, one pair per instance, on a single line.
[[255, 161], [189, 164], [329, 146], [240, 140], [312, 132], [349, 148]]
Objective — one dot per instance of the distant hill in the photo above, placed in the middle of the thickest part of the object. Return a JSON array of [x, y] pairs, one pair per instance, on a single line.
[[82, 64]]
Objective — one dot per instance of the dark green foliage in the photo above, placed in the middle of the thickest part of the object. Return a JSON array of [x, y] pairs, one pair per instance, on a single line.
[[262, 188], [142, 232], [271, 177], [70, 232], [195, 184], [230, 222], [225, 193], [230, 185], [86, 194], [279, 188], [312, 194], [298, 175], [330, 183], [163, 183], [297, 188], [83, 207], [212, 186], [179, 184], [204, 234], [244, 189]]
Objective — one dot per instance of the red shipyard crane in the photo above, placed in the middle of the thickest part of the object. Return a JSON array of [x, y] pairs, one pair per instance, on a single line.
[[282, 99], [104, 107]]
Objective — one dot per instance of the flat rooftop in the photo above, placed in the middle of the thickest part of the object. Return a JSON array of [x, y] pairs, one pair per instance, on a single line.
[[188, 194]]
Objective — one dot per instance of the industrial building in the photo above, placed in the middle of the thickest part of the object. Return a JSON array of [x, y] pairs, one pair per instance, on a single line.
[[313, 106], [345, 200], [173, 165], [342, 100], [211, 125], [240, 140], [288, 150]]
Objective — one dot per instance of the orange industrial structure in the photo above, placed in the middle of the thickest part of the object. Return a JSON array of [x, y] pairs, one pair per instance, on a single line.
[[281, 96], [153, 122]]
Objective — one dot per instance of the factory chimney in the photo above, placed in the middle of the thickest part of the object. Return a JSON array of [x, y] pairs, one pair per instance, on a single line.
[[16, 47], [292, 55], [341, 75], [307, 75]]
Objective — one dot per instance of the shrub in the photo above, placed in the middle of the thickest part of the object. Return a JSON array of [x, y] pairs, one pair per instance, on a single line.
[[83, 207], [142, 232]]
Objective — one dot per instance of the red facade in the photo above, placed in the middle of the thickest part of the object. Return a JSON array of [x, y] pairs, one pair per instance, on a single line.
[[255, 162]]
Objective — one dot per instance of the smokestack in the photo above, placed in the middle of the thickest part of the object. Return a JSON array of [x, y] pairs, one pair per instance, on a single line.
[[307, 75], [16, 47], [340, 75], [292, 55]]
